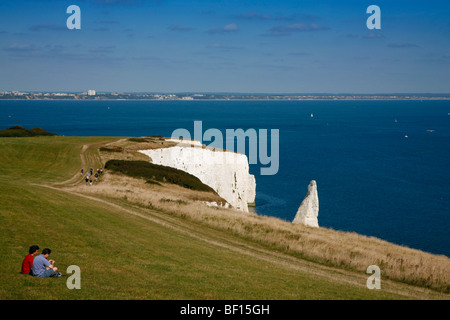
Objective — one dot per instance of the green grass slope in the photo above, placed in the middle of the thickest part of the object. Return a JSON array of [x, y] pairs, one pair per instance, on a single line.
[[43, 159], [127, 257], [130, 253]]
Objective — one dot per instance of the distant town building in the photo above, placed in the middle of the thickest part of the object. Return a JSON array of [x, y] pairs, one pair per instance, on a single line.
[[91, 92]]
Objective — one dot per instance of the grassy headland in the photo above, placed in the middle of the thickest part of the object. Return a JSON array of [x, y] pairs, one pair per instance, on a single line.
[[18, 131], [134, 240]]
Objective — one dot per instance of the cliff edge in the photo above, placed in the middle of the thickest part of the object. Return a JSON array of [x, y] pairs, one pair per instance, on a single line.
[[224, 171]]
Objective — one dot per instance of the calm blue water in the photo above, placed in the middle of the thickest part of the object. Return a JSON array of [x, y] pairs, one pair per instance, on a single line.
[[371, 179]]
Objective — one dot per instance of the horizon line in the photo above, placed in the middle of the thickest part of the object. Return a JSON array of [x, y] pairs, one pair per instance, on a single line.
[[236, 93]]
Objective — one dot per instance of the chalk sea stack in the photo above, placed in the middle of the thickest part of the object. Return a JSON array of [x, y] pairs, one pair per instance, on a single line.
[[309, 208]]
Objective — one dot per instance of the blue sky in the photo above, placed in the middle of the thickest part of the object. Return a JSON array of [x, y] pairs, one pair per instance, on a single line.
[[225, 46]]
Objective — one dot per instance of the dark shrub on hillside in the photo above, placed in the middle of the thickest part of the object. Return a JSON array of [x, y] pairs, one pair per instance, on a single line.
[[18, 131], [138, 140], [153, 172], [16, 128], [111, 149]]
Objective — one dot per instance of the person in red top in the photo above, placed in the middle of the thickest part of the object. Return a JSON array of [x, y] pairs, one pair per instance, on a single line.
[[27, 263]]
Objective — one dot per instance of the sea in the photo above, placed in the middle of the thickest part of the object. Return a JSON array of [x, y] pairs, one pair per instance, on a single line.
[[382, 167]]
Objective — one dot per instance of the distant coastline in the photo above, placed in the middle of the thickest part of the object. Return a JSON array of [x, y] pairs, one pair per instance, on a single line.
[[91, 95]]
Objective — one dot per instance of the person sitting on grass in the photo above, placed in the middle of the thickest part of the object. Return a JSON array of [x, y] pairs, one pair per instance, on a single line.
[[27, 263], [44, 268]]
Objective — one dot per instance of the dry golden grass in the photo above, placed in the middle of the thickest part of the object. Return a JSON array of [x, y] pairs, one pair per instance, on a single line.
[[132, 144], [139, 191], [130, 148], [330, 247], [335, 248]]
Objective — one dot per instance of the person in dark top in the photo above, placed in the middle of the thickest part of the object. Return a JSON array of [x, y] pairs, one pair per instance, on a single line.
[[27, 263]]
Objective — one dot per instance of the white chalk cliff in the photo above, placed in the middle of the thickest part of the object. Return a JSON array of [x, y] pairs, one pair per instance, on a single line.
[[309, 208], [224, 171]]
